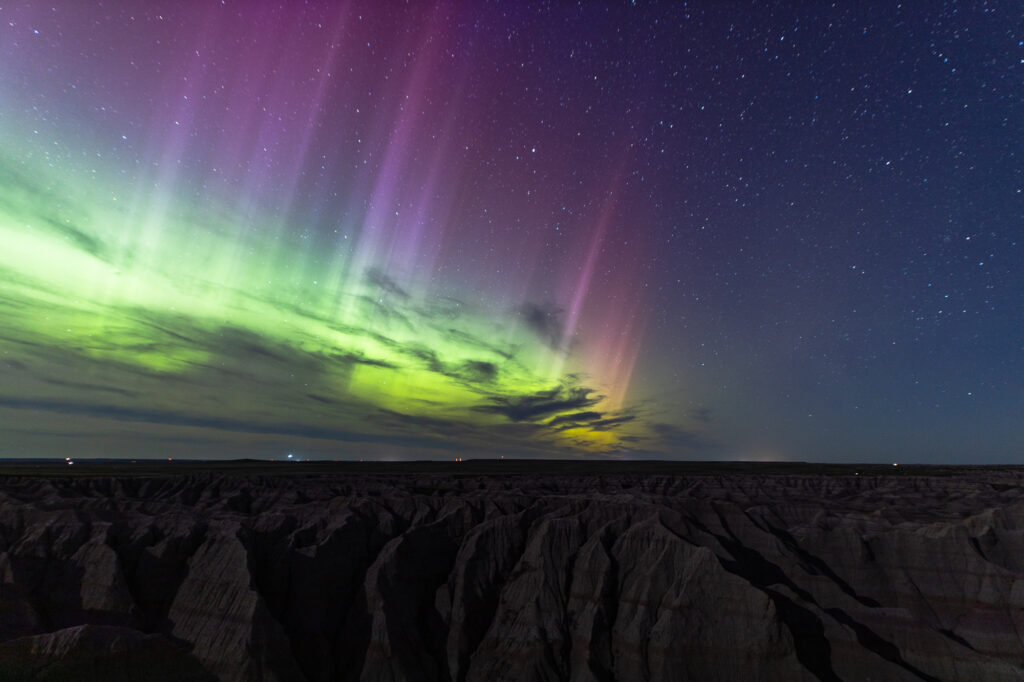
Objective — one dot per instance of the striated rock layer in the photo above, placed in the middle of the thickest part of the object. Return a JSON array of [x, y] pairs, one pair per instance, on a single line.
[[568, 576]]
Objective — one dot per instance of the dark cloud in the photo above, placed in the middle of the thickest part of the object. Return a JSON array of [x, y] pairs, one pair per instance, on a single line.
[[357, 358], [575, 418], [545, 321], [611, 422], [427, 357], [382, 339], [386, 309], [180, 327], [12, 277], [420, 424], [35, 348], [507, 438], [81, 239], [470, 371], [442, 307], [169, 418], [290, 307], [595, 421], [81, 385], [702, 414], [378, 278], [83, 435], [10, 304], [479, 371], [540, 404], [240, 343], [44, 200], [464, 338], [246, 350]]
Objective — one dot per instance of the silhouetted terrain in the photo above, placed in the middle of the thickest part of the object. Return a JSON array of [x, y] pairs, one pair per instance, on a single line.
[[510, 570]]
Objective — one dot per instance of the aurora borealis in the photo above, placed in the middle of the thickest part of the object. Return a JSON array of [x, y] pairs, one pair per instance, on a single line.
[[346, 230]]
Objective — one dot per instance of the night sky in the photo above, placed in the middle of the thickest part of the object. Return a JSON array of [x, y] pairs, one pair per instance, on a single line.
[[343, 230]]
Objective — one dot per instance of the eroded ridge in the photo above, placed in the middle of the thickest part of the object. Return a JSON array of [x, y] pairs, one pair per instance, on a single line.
[[238, 577]]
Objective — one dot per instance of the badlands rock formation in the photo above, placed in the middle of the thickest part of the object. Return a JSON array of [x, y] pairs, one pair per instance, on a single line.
[[321, 575]]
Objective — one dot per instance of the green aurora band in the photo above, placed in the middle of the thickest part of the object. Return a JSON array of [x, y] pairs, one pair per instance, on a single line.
[[149, 322]]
